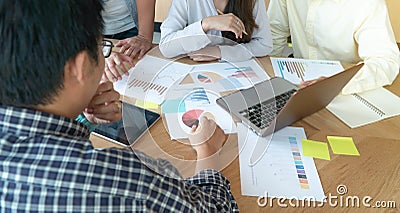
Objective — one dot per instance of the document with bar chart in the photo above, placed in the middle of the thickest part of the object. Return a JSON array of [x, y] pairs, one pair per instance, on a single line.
[[150, 79], [297, 70]]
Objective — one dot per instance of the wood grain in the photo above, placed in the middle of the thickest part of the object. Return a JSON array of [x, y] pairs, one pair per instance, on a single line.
[[375, 173]]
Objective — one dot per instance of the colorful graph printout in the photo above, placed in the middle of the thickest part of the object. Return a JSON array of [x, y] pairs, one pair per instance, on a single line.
[[229, 76], [297, 70], [150, 79], [197, 103], [283, 171]]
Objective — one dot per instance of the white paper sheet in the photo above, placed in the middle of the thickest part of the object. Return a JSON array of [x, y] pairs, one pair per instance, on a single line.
[[224, 76], [150, 79], [196, 104], [297, 70], [283, 171]]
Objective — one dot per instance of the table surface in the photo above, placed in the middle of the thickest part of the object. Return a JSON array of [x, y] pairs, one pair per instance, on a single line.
[[375, 173]]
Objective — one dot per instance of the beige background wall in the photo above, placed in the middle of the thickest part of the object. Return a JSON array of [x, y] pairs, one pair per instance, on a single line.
[[162, 7], [394, 13]]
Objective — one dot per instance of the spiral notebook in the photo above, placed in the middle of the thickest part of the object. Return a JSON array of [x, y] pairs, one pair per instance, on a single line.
[[364, 108]]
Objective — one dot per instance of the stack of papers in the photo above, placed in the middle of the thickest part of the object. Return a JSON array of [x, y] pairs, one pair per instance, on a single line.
[[196, 93]]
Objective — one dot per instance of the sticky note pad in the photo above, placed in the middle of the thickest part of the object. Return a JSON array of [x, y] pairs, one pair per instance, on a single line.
[[315, 149], [173, 106], [146, 104], [343, 145]]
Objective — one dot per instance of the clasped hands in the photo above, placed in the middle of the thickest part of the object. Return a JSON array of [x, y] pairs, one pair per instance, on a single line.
[[115, 66], [105, 106]]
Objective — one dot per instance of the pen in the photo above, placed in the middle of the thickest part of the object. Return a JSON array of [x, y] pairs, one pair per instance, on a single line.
[[221, 13]]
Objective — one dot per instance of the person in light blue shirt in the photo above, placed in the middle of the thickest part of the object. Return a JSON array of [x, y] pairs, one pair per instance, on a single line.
[[131, 22]]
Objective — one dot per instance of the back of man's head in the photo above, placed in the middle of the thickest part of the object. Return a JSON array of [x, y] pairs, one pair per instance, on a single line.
[[38, 37]]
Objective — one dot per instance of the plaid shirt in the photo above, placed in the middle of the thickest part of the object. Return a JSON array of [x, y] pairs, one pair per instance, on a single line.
[[49, 165]]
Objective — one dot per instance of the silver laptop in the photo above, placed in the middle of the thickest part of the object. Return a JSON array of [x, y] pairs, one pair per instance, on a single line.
[[273, 104]]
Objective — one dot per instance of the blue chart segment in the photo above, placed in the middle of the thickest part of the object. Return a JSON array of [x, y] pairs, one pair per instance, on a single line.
[[230, 83], [199, 95]]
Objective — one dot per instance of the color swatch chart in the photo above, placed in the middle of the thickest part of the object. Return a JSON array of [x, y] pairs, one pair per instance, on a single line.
[[301, 172], [282, 171], [296, 70]]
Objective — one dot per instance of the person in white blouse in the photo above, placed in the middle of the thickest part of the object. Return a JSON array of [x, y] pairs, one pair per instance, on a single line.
[[193, 25], [349, 31]]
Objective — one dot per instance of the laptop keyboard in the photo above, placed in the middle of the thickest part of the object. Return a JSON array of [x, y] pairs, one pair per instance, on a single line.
[[263, 113]]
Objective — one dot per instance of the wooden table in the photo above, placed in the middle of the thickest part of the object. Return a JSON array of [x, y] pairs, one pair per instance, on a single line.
[[376, 173]]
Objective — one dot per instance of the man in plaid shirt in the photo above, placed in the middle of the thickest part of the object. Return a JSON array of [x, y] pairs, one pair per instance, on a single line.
[[51, 64]]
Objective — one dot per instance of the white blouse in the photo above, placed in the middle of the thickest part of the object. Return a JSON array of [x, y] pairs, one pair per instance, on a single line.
[[182, 33]]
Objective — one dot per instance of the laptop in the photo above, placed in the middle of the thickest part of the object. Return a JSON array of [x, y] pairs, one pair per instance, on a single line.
[[275, 103]]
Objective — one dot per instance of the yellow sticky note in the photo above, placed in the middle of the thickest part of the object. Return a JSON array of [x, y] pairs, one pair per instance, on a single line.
[[315, 149], [150, 105], [343, 145], [146, 104]]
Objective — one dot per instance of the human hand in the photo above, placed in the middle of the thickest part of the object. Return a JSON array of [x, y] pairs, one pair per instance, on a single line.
[[135, 46], [209, 53], [207, 138], [105, 106], [115, 67], [225, 22], [307, 83]]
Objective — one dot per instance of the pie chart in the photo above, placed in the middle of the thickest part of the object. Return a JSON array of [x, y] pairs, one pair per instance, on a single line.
[[191, 117], [203, 78]]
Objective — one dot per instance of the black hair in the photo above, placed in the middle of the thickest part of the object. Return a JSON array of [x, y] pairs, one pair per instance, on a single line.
[[38, 37], [243, 9]]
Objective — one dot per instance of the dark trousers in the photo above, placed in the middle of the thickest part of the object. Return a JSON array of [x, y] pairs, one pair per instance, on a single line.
[[123, 35]]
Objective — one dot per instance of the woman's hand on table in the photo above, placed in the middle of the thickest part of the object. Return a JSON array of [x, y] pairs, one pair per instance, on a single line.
[[135, 46], [209, 53]]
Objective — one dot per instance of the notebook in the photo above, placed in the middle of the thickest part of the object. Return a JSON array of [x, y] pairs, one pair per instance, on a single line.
[[364, 108]]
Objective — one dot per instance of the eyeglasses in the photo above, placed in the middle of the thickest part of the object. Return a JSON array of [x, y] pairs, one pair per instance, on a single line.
[[107, 47]]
